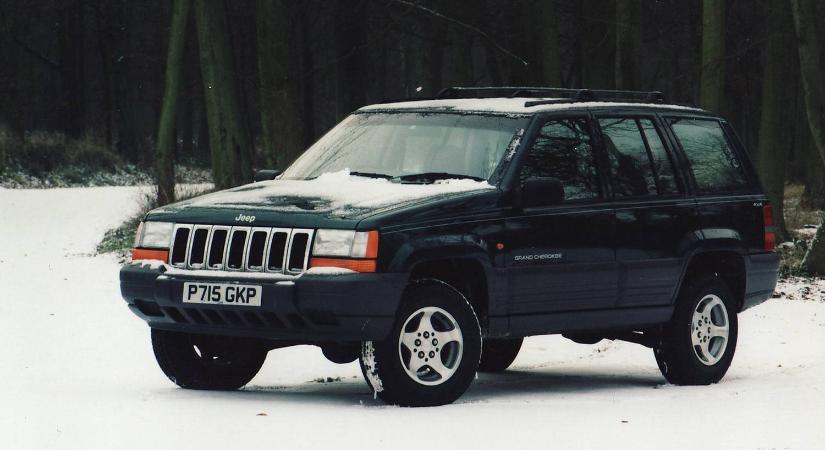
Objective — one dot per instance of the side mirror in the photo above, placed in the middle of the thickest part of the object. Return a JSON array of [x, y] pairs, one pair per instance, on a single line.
[[542, 192], [266, 174]]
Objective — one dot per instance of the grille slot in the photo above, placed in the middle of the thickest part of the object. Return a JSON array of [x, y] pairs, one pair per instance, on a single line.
[[181, 243], [217, 247], [237, 248], [277, 250], [298, 250], [258, 249], [197, 250]]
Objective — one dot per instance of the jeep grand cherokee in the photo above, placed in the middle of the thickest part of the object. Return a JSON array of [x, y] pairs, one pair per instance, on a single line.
[[428, 238]]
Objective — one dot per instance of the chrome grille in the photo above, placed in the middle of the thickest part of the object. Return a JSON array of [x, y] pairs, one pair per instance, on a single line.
[[247, 249]]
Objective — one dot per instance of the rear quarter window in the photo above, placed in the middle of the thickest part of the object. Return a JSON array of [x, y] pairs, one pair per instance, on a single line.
[[715, 165]]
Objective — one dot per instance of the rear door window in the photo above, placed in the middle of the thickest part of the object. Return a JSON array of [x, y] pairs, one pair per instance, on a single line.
[[714, 163], [662, 164], [639, 164]]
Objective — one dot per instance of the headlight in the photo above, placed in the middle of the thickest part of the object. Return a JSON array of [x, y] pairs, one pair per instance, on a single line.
[[346, 243], [154, 235]]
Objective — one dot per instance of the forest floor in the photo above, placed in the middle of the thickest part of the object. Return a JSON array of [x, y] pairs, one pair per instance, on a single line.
[[16, 177], [77, 370]]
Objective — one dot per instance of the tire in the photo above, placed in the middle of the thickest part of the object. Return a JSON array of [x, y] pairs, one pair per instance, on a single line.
[[498, 354], [207, 362], [406, 376], [686, 353]]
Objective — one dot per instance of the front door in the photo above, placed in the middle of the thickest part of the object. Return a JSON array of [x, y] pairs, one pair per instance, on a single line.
[[560, 256]]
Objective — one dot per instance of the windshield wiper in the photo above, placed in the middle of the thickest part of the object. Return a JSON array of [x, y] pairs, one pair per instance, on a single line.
[[435, 176], [372, 175]]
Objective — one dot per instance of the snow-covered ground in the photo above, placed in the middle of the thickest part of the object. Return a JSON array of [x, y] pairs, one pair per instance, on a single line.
[[77, 371]]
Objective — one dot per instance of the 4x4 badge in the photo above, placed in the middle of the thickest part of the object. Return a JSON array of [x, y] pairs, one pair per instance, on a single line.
[[245, 218]]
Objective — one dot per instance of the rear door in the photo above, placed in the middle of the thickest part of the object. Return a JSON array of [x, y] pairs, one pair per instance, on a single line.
[[653, 215], [560, 256]]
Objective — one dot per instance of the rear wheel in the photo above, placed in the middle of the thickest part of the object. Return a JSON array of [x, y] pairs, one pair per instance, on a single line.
[[195, 361], [698, 344], [498, 354], [433, 352]]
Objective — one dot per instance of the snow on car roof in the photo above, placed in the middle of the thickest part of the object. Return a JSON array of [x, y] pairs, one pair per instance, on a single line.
[[509, 105]]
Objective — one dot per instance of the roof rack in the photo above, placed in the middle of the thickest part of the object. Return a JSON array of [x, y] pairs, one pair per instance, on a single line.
[[562, 95]]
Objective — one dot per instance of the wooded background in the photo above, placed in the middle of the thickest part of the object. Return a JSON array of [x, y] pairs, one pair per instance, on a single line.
[[243, 84]]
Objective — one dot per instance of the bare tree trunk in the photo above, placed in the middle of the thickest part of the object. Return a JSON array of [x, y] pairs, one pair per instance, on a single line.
[[307, 81], [229, 139], [712, 86], [11, 104], [72, 69], [461, 50], [108, 82], [186, 126], [522, 25], [810, 68], [774, 133], [202, 131], [597, 47], [348, 28], [493, 68], [628, 43], [136, 96], [426, 56], [549, 41], [280, 86], [813, 196], [165, 162]]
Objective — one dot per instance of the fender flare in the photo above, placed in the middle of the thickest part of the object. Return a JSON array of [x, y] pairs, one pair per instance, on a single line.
[[709, 240], [457, 247]]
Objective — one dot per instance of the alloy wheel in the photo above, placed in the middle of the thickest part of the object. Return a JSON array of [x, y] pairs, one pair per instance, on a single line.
[[709, 330], [430, 346]]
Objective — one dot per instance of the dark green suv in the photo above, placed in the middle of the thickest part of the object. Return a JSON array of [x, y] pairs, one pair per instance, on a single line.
[[427, 238]]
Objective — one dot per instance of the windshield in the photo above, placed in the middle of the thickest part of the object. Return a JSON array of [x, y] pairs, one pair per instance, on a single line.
[[410, 146]]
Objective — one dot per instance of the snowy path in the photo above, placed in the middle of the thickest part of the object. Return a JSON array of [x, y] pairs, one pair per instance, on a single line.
[[77, 371]]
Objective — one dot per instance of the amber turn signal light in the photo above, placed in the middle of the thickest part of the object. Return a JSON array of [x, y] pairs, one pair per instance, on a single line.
[[357, 265], [146, 254]]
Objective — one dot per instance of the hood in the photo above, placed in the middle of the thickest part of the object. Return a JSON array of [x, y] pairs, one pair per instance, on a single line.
[[333, 199]]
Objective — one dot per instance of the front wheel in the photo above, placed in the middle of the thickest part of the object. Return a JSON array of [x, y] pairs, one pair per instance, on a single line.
[[697, 345], [194, 361], [433, 352]]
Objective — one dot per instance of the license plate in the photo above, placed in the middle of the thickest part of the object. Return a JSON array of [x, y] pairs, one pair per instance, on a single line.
[[222, 294]]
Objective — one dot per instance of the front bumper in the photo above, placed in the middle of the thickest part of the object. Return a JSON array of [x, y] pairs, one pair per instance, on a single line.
[[306, 308]]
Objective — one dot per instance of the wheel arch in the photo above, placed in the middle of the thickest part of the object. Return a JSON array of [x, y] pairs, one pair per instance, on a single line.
[[729, 264], [464, 272]]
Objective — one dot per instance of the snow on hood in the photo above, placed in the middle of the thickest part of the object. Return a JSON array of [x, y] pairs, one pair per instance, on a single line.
[[339, 193]]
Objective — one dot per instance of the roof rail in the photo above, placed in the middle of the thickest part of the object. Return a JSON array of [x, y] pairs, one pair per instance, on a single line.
[[561, 95]]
